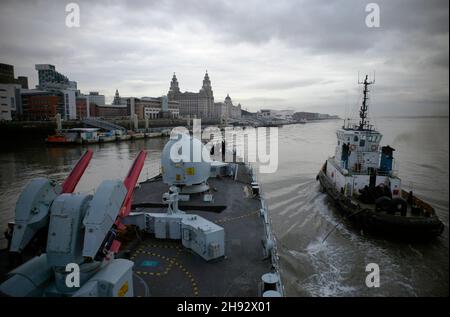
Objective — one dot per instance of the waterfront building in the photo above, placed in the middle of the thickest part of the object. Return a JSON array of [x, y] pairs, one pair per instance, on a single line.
[[40, 105], [226, 110], [69, 110], [220, 111], [198, 105], [7, 76], [23, 81], [302, 115], [156, 107], [98, 108], [95, 97], [117, 100], [10, 101], [53, 81], [6, 71], [275, 114], [84, 103], [108, 111], [234, 112], [50, 79]]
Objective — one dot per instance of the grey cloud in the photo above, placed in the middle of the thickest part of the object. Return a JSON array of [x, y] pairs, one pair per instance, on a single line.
[[253, 49], [287, 84]]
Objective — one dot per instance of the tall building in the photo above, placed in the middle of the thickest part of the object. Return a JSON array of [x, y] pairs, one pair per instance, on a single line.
[[199, 105], [7, 76], [10, 101], [52, 81], [49, 78], [95, 97], [234, 112], [85, 101], [117, 100], [40, 105], [10, 98], [23, 81], [154, 108], [226, 110], [82, 104], [6, 71]]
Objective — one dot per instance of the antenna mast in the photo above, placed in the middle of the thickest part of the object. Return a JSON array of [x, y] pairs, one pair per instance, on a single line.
[[364, 106]]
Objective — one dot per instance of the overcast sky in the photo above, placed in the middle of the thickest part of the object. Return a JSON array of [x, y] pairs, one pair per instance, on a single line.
[[288, 54]]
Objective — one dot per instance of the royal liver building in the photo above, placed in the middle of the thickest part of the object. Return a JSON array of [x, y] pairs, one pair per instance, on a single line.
[[192, 104]]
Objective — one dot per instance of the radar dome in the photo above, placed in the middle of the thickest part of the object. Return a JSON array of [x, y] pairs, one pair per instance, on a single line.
[[185, 161]]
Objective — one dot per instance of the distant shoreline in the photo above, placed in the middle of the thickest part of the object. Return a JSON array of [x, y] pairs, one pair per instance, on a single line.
[[412, 117]]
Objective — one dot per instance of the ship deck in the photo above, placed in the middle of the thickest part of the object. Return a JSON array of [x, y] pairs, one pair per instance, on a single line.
[[166, 268]]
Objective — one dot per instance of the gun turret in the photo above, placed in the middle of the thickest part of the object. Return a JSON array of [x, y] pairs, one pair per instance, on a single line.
[[81, 231], [34, 203]]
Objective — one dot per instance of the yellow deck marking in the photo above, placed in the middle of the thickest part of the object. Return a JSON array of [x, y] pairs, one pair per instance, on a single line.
[[172, 262]]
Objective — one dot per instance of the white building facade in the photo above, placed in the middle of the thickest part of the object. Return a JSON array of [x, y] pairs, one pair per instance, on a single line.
[[9, 103], [226, 110], [275, 114], [95, 97]]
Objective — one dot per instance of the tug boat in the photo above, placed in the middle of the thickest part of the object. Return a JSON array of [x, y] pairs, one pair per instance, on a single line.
[[362, 179]]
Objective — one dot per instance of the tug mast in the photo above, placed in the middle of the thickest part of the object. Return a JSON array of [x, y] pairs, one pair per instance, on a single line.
[[363, 111]]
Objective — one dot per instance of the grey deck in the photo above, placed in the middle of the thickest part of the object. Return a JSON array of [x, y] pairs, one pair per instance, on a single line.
[[165, 268]]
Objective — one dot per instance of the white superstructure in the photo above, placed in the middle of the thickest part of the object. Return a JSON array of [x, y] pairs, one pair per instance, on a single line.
[[359, 161]]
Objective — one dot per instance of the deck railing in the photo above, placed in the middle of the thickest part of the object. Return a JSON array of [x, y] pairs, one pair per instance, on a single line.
[[152, 169]]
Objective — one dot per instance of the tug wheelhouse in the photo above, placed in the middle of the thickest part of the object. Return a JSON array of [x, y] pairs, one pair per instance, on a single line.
[[359, 161]]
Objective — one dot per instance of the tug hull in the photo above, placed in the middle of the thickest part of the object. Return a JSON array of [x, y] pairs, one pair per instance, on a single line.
[[365, 216]]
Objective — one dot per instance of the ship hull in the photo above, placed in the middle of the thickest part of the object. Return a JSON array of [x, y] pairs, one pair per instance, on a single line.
[[391, 225]]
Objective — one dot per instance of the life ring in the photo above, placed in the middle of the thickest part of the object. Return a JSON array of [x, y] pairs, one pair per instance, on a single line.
[[374, 147], [352, 147]]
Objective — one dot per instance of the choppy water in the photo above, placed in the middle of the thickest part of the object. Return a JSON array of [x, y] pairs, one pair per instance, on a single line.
[[301, 216]]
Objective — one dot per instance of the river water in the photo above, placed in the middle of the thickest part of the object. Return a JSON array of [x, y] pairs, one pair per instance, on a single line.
[[302, 216]]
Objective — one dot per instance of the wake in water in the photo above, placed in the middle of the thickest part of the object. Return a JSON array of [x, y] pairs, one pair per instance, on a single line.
[[303, 217]]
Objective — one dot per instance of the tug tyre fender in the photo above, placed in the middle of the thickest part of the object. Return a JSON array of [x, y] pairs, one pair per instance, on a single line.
[[399, 204], [322, 188], [383, 203]]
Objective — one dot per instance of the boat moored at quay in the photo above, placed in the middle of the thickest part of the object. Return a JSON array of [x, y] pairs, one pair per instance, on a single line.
[[95, 135]]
